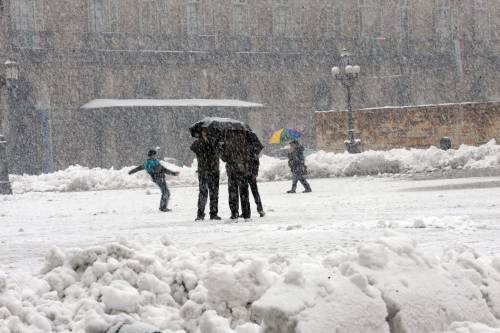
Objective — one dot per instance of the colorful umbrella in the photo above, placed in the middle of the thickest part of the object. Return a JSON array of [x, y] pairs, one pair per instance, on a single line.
[[285, 135]]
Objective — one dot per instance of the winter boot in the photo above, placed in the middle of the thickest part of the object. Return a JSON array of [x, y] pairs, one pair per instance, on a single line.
[[291, 191], [215, 217], [262, 213], [199, 218]]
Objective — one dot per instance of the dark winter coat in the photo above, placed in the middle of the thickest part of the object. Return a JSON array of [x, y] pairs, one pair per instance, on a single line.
[[296, 161], [158, 175], [207, 155], [235, 151], [254, 164]]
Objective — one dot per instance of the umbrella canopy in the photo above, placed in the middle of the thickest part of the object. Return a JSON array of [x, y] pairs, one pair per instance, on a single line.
[[218, 125], [285, 135]]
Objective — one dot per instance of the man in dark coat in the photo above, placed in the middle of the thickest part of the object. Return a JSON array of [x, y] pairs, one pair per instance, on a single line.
[[296, 162], [157, 173], [208, 175], [236, 153], [252, 180]]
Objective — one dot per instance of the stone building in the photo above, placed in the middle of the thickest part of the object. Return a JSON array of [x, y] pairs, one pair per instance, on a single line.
[[273, 52]]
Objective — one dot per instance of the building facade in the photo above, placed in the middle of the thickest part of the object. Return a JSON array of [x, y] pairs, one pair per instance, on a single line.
[[274, 52]]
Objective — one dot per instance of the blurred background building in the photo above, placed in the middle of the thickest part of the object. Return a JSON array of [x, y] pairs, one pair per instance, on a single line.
[[273, 52]]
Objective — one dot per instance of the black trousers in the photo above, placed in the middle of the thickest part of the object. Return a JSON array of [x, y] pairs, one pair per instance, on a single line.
[[238, 191], [208, 184], [255, 193]]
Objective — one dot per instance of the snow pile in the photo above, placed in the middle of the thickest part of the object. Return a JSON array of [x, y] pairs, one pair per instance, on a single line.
[[395, 161], [78, 178], [320, 165], [384, 286], [445, 222]]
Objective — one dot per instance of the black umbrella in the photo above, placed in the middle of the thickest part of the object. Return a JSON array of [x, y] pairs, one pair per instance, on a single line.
[[254, 143], [218, 126]]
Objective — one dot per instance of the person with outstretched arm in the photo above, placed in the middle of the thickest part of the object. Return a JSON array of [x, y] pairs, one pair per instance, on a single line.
[[157, 173]]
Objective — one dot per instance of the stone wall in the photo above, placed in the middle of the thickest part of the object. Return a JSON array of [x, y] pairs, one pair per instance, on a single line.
[[411, 127]]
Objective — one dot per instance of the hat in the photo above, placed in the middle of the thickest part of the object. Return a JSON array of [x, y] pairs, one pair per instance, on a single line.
[[151, 153]]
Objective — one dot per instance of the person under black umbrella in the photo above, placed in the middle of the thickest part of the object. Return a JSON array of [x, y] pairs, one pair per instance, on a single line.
[[252, 181], [208, 175], [254, 163], [235, 152]]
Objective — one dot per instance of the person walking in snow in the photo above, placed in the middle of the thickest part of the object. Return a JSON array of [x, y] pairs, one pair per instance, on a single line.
[[208, 175], [296, 162], [157, 173]]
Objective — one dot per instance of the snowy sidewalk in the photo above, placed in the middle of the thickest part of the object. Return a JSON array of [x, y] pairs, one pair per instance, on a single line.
[[356, 255], [339, 213]]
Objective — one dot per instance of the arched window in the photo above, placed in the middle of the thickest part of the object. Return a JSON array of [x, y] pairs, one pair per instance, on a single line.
[[194, 17], [331, 21], [442, 20], [370, 18], [104, 15], [28, 15], [240, 17], [405, 20], [153, 19], [322, 96], [281, 18], [481, 20]]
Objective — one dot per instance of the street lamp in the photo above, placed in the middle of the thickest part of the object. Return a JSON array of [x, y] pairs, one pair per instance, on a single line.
[[11, 79], [347, 74]]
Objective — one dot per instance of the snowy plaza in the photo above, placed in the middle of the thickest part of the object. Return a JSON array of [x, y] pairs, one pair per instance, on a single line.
[[395, 249], [249, 166]]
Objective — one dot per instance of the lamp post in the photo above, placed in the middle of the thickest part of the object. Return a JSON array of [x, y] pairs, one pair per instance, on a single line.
[[347, 74], [11, 79]]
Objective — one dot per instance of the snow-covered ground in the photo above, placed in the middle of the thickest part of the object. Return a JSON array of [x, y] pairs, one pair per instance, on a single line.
[[425, 255]]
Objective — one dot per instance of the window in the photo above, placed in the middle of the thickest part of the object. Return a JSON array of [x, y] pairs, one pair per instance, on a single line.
[[104, 15], [281, 15], [28, 15], [240, 17], [405, 19], [193, 17], [297, 19], [481, 20], [330, 21], [443, 20], [154, 17], [495, 23], [370, 17]]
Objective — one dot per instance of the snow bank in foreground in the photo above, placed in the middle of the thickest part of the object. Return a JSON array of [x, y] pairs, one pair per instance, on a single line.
[[320, 165], [384, 286]]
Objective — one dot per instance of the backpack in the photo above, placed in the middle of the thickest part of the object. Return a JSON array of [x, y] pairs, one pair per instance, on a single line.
[[151, 165]]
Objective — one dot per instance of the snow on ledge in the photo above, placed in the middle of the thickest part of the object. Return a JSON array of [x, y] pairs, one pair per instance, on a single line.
[[112, 103], [409, 107]]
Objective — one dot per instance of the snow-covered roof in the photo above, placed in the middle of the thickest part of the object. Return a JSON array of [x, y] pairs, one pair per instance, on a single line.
[[113, 103]]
